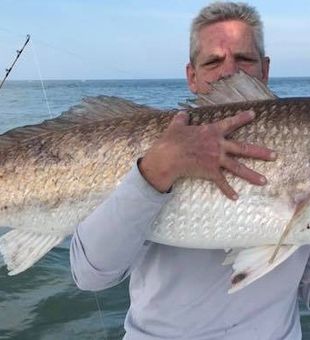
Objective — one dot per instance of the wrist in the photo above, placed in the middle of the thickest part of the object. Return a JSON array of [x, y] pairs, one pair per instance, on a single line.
[[156, 173]]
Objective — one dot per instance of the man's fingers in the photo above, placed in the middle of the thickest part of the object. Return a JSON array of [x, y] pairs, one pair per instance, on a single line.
[[230, 124], [249, 150], [223, 185], [240, 170]]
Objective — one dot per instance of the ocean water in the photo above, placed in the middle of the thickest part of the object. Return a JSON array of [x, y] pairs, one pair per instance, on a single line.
[[43, 302]]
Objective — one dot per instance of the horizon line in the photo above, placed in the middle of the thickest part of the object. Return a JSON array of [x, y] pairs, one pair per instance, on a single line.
[[132, 79]]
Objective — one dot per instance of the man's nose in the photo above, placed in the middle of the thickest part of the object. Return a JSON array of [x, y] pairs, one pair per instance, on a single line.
[[230, 67]]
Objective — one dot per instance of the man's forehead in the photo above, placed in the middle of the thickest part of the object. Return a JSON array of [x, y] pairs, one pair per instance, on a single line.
[[235, 35], [232, 29]]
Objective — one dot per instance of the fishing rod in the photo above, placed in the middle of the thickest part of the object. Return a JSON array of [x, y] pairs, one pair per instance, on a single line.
[[19, 52]]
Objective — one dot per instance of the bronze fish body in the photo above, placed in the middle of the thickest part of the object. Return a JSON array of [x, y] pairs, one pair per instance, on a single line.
[[54, 174]]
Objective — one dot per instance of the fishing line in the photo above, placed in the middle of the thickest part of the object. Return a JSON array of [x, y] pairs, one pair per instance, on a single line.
[[85, 62], [48, 107], [100, 314], [36, 59], [40, 76], [19, 35]]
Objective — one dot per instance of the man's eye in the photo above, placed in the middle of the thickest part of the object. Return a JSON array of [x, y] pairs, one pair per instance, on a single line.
[[211, 62], [246, 59]]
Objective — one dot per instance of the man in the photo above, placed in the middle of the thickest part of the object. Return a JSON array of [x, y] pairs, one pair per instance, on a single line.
[[181, 293]]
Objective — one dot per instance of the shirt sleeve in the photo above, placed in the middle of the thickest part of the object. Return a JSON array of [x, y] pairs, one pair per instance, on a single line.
[[304, 286], [107, 245]]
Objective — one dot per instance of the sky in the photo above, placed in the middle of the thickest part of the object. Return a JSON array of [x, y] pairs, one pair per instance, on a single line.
[[132, 39]]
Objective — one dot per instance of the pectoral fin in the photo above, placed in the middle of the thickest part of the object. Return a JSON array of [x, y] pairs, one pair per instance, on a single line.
[[299, 221], [252, 263], [231, 256], [21, 249]]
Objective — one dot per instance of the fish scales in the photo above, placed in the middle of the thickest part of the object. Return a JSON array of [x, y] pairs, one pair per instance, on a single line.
[[54, 174], [288, 178], [71, 164]]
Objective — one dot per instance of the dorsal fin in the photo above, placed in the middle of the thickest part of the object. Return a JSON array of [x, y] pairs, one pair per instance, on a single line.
[[237, 88], [90, 110], [104, 107]]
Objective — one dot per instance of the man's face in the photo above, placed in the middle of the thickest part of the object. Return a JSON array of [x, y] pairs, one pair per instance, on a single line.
[[224, 49]]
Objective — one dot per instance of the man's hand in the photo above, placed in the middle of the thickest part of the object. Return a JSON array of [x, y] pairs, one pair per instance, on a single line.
[[201, 152]]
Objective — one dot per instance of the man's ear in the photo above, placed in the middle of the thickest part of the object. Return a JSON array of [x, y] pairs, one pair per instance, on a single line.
[[265, 69], [191, 77]]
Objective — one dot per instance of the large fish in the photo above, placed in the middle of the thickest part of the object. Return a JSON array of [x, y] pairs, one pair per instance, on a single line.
[[54, 174]]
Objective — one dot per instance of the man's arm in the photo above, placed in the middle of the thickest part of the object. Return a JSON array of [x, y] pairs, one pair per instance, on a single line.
[[106, 245]]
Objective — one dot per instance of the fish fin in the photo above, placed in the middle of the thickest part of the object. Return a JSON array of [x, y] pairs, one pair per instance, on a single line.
[[90, 110], [237, 88], [253, 263], [231, 256], [104, 107], [286, 231], [21, 249], [299, 221]]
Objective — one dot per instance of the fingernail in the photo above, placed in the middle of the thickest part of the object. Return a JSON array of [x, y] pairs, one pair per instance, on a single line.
[[273, 155], [235, 197], [263, 180]]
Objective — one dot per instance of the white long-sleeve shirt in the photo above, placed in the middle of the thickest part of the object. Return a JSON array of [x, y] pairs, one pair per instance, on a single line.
[[179, 293]]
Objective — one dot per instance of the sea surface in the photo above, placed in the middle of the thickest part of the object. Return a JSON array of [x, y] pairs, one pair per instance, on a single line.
[[43, 302]]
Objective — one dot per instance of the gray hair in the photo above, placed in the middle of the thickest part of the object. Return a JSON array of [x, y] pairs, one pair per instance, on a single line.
[[224, 11]]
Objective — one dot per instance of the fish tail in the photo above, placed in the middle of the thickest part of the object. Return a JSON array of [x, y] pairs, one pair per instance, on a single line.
[[21, 249]]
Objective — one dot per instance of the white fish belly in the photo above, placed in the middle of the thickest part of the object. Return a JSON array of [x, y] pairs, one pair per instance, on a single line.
[[52, 220], [199, 216]]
